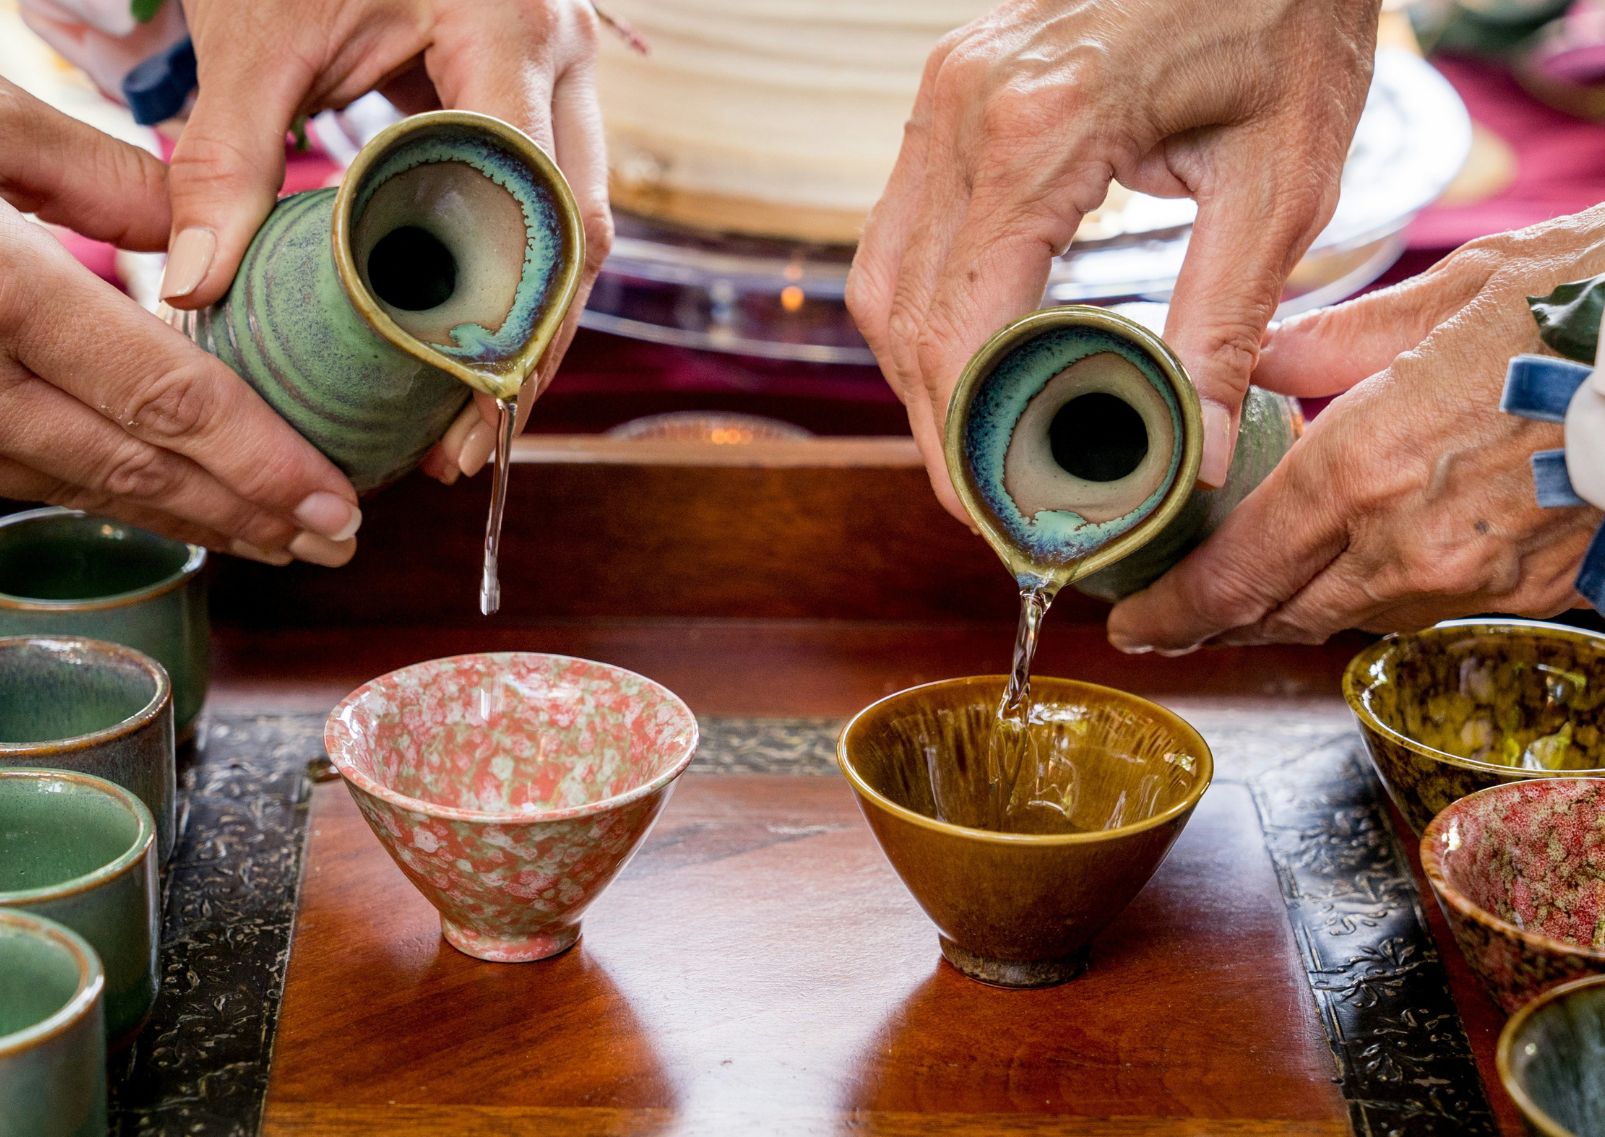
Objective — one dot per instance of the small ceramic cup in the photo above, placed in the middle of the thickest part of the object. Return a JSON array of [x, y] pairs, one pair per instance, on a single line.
[[1098, 804], [94, 707], [52, 1040], [1551, 1059], [66, 573], [1519, 870], [511, 788], [1468, 704], [81, 851]]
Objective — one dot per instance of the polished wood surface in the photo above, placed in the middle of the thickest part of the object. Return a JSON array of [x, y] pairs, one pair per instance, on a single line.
[[766, 667], [759, 969]]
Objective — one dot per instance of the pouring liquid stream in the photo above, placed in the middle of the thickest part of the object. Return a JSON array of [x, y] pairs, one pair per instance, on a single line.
[[1011, 749], [490, 585]]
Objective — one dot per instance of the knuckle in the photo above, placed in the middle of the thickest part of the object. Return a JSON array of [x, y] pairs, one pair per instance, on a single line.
[[274, 478], [176, 405], [140, 472], [597, 223]]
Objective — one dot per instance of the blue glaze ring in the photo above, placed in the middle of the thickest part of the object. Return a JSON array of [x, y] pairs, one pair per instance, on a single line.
[[1540, 388], [999, 401]]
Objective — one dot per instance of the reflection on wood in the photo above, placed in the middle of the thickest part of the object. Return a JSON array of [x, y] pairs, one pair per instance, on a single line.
[[760, 969]]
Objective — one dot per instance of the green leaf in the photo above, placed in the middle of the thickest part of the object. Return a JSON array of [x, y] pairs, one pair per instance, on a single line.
[[1568, 318], [145, 10]]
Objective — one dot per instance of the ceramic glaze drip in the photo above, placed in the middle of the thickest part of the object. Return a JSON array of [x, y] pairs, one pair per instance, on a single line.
[[490, 585]]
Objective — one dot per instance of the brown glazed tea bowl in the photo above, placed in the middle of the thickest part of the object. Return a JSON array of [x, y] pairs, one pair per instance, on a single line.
[[1519, 870], [1018, 908], [1468, 704], [511, 788], [1551, 1060]]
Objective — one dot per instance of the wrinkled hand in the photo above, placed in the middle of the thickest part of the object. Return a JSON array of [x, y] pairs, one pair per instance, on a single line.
[[529, 62], [105, 408], [1022, 119], [1410, 499]]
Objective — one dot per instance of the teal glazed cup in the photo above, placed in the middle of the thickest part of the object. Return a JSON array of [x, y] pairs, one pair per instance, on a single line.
[[366, 316], [1551, 1059], [1074, 438], [66, 573], [52, 1039], [82, 852], [94, 708]]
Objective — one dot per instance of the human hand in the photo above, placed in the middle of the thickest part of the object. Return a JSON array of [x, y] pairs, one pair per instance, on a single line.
[[529, 62], [1410, 499], [1025, 115], [105, 408]]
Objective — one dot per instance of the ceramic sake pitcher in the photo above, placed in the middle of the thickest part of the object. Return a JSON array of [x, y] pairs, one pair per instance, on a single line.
[[1074, 439], [366, 316]]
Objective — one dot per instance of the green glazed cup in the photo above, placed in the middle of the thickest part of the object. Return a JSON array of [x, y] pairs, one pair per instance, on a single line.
[[66, 573], [1074, 438], [52, 1040], [366, 316], [95, 708], [81, 851]]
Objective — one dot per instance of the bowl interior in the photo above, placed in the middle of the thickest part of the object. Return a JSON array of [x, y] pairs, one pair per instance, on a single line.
[[69, 556], [1558, 1058], [1520, 695], [54, 830], [58, 689], [39, 975], [1094, 759], [1532, 854], [511, 732]]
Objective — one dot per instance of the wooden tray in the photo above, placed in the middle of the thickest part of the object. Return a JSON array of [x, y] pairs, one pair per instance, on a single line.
[[759, 969]]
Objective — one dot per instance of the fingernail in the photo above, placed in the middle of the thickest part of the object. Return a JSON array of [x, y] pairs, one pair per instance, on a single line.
[[477, 449], [1217, 423], [1131, 649], [329, 515], [187, 262], [1177, 652], [276, 557], [319, 550]]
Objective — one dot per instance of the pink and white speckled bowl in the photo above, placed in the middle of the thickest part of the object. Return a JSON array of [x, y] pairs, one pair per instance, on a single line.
[[511, 788], [1519, 870]]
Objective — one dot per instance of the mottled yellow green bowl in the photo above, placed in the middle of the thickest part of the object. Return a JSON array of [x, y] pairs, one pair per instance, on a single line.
[[1018, 909], [1443, 710]]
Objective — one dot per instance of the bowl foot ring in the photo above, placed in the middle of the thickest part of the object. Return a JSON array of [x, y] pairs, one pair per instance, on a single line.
[[509, 949], [1015, 973]]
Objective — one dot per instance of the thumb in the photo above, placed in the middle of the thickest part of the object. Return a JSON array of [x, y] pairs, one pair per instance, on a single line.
[[227, 168], [1244, 243], [1329, 350], [76, 176]]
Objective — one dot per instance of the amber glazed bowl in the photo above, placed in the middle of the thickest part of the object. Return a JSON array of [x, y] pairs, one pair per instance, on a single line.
[[1520, 872], [1551, 1060], [1469, 704], [511, 788], [1018, 908]]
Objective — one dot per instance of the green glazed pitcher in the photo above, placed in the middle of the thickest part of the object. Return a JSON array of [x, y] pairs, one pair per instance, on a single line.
[[1074, 439], [366, 316]]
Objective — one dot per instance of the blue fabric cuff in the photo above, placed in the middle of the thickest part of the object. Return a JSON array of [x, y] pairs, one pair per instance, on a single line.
[[1538, 387], [157, 88]]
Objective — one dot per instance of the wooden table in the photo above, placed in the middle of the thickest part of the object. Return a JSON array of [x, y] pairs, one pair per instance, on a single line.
[[759, 968]]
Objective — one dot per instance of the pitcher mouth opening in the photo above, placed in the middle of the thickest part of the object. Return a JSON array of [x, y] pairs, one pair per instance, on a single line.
[[1073, 436], [460, 241]]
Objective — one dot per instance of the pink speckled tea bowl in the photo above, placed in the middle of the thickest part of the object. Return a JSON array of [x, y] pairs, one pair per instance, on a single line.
[[1519, 870], [512, 787]]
